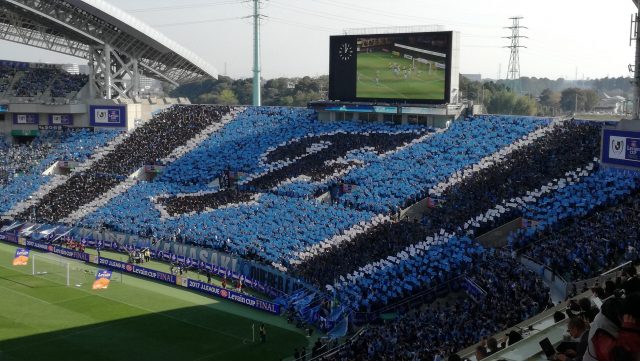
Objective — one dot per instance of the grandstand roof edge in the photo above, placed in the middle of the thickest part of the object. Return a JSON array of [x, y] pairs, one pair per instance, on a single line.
[[138, 28]]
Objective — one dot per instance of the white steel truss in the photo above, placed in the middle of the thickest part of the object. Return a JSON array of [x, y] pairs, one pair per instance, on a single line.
[[117, 54]]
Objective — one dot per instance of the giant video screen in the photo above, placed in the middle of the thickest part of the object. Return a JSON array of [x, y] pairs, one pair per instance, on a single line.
[[405, 68]]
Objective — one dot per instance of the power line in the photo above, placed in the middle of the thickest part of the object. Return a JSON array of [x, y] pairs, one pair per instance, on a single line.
[[326, 15], [186, 6], [198, 22], [301, 25], [388, 14]]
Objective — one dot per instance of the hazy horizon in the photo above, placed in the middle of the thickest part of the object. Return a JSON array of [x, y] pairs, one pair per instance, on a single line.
[[569, 39]]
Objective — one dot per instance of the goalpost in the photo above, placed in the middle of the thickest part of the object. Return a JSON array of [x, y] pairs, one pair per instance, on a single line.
[[62, 270]]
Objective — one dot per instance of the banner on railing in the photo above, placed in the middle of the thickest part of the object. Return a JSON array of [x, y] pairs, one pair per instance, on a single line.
[[260, 277], [234, 296], [29, 118], [621, 148], [60, 119], [108, 115], [141, 271], [474, 290], [61, 251]]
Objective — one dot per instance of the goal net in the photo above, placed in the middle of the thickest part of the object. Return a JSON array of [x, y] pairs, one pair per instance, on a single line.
[[61, 270]]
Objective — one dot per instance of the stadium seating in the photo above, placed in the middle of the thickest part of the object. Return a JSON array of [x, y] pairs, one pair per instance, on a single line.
[[148, 144], [28, 162], [34, 82], [403, 177], [513, 294], [479, 173], [594, 244], [6, 75], [255, 132], [420, 266], [241, 145], [268, 134], [525, 170], [270, 228]]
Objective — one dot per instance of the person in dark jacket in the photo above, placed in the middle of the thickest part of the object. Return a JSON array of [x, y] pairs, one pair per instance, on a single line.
[[577, 328]]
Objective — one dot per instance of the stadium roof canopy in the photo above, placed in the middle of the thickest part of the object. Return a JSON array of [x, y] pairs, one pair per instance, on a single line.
[[77, 27]]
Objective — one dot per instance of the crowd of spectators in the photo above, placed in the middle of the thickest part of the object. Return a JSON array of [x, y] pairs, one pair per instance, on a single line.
[[392, 182], [260, 142], [566, 148], [65, 83], [36, 81], [34, 157], [524, 170], [588, 247], [18, 159], [270, 228], [155, 140], [148, 144], [420, 266], [6, 74], [315, 157], [444, 327], [282, 225]]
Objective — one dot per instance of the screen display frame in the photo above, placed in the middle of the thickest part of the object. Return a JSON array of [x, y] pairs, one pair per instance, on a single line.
[[343, 68]]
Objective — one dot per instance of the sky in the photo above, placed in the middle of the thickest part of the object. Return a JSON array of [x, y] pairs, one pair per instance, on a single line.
[[572, 39]]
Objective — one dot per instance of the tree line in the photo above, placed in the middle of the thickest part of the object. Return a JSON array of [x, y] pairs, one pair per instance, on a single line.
[[579, 97], [537, 96], [280, 91]]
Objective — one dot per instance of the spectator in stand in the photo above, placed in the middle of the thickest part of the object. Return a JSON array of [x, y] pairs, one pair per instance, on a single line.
[[613, 335], [577, 329], [631, 282], [627, 346]]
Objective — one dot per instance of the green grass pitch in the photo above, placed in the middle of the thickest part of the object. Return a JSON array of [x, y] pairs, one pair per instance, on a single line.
[[134, 319], [419, 84]]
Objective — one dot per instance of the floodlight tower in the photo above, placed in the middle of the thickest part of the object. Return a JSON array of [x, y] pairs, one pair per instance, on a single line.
[[256, 53], [513, 72], [636, 78]]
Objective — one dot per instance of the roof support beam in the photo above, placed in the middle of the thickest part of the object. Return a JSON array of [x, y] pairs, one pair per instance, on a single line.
[[72, 27]]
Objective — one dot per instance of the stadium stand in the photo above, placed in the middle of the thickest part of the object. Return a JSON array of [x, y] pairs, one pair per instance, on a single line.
[[148, 144], [523, 171], [6, 75], [389, 183], [199, 167], [589, 246], [24, 164], [251, 182], [33, 82], [287, 225], [443, 327]]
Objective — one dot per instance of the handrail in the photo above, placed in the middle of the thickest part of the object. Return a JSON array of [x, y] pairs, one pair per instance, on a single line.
[[339, 347], [615, 269]]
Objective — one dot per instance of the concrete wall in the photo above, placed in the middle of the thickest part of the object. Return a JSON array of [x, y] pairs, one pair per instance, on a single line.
[[497, 238], [136, 113]]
